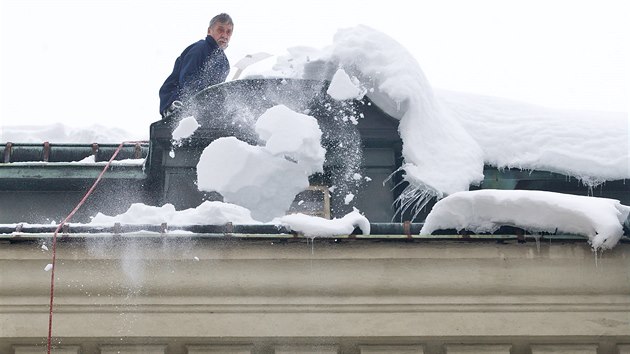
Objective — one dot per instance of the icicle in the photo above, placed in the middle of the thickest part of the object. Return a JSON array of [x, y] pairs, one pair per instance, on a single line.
[[537, 238], [413, 199]]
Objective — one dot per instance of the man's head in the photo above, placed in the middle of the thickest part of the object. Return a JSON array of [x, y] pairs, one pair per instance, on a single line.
[[220, 29]]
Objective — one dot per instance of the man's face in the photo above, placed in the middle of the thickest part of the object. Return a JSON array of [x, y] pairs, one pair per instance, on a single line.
[[221, 32]]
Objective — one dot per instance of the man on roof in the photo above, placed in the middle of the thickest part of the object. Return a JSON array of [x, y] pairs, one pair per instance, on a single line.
[[200, 65]]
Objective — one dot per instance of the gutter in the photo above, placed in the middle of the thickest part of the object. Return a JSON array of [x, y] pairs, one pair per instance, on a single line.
[[403, 232]]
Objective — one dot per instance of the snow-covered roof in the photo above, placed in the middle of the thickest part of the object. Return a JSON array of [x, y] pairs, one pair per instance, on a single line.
[[447, 138]]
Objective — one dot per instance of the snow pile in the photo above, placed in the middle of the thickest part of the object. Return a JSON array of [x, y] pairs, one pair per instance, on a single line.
[[600, 219], [592, 146], [264, 179], [342, 87], [312, 226], [59, 133], [208, 213], [185, 128]]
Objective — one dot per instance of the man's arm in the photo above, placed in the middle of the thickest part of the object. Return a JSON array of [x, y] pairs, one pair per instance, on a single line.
[[192, 63]]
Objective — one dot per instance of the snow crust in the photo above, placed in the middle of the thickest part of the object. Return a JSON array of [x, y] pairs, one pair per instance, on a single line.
[[312, 226], [264, 179], [208, 213], [479, 211]]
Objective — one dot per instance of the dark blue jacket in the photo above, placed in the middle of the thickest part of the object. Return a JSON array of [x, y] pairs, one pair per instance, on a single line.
[[200, 65]]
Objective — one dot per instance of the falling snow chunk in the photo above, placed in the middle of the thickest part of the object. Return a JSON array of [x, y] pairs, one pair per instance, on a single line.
[[342, 87], [196, 259], [185, 129], [250, 177], [44, 247], [367, 179], [294, 135], [356, 176], [349, 197], [48, 267], [265, 179], [600, 219]]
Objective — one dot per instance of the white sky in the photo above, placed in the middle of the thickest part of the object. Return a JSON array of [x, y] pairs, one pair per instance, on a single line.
[[85, 62]]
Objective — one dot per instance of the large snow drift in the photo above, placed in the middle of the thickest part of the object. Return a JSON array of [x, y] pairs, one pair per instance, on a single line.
[[600, 219], [448, 137]]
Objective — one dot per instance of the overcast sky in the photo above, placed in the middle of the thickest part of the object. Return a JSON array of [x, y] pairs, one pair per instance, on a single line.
[[88, 62]]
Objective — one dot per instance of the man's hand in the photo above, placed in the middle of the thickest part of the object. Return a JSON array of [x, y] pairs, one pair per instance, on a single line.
[[173, 108]]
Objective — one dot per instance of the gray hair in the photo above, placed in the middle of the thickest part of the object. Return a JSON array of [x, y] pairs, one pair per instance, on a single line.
[[222, 18]]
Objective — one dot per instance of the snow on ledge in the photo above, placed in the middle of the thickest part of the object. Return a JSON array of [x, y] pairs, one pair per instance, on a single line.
[[313, 226], [208, 213], [88, 161], [600, 219]]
